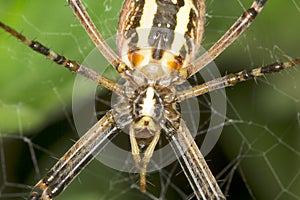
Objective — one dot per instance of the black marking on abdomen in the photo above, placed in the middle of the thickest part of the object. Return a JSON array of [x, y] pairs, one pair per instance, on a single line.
[[164, 23], [131, 21], [191, 32], [166, 14], [157, 53]]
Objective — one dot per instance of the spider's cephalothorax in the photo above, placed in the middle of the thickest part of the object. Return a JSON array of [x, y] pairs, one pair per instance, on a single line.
[[144, 111]]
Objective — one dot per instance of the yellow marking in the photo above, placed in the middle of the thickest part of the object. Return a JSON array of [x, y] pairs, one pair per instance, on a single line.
[[146, 22], [182, 19], [145, 122], [149, 11], [183, 73]]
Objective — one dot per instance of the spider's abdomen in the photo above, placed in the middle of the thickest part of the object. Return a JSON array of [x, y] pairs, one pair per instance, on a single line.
[[158, 36]]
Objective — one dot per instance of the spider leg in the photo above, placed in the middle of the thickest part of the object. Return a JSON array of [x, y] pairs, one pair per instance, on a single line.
[[98, 39], [193, 163], [232, 79], [142, 162], [74, 160], [65, 62], [241, 24]]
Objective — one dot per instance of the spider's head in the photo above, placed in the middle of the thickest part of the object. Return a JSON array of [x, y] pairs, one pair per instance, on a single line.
[[144, 108], [148, 110]]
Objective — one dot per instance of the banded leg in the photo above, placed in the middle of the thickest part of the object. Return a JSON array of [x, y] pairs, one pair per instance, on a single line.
[[242, 23], [232, 79], [97, 38], [79, 155], [193, 164], [73, 66]]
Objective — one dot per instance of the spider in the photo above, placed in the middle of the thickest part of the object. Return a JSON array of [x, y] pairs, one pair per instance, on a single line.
[[147, 105]]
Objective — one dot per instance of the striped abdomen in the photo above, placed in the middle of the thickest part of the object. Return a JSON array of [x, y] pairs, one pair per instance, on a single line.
[[159, 36]]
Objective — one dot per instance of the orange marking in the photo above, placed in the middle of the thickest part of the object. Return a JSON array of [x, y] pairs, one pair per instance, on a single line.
[[135, 58], [174, 65], [41, 185]]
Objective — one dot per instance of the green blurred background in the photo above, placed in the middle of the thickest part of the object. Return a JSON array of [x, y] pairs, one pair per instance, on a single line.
[[260, 139]]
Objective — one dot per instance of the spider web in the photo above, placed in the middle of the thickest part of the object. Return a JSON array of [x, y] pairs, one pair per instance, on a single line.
[[257, 156]]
